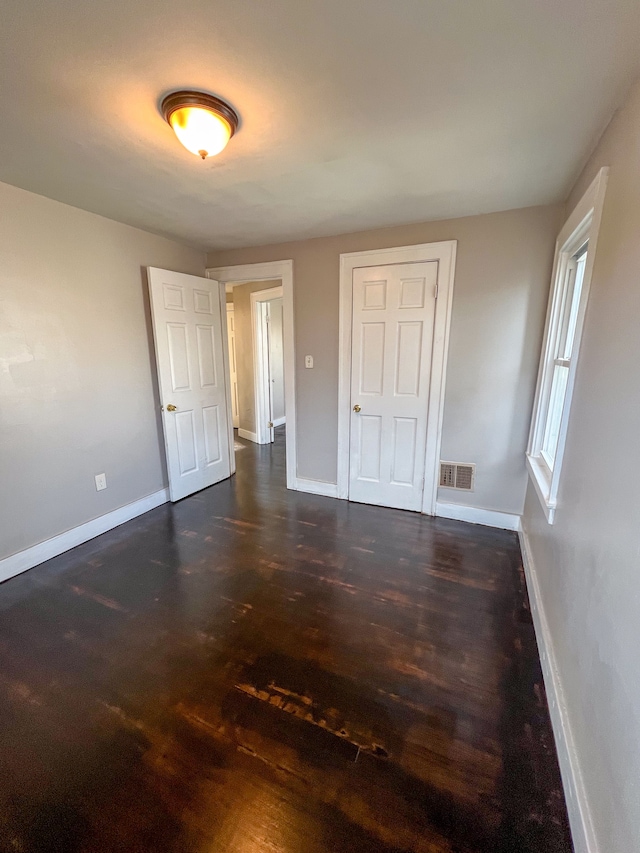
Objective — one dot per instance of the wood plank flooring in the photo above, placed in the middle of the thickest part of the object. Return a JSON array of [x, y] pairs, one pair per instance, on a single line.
[[254, 670]]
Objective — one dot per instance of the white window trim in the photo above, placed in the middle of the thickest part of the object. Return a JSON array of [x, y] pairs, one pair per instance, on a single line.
[[583, 224]]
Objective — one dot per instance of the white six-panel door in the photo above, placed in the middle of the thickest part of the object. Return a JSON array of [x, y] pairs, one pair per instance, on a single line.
[[188, 331], [233, 369], [392, 336]]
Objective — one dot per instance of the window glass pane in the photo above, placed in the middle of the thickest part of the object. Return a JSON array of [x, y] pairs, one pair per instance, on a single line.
[[573, 306], [565, 286], [554, 414]]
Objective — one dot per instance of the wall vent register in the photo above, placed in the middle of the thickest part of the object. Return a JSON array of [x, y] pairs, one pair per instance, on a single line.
[[457, 475]]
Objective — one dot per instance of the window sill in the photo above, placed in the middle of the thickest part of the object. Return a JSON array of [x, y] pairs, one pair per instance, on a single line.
[[542, 481]]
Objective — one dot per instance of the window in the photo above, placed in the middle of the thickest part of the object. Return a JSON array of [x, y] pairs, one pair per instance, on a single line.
[[562, 351], [573, 262]]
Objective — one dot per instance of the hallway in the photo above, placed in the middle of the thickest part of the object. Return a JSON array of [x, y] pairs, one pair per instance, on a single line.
[[256, 670]]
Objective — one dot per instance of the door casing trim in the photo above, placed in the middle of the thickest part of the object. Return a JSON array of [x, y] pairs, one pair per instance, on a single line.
[[445, 254]]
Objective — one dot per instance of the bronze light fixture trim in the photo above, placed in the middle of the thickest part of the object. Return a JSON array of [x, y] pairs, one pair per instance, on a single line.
[[203, 123]]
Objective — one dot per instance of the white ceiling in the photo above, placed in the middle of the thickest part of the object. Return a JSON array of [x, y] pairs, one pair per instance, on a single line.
[[354, 113]]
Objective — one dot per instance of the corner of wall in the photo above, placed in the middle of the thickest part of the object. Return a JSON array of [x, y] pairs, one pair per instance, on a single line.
[[578, 809]]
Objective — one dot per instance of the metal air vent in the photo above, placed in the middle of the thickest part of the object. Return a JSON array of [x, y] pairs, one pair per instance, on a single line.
[[457, 475], [448, 475]]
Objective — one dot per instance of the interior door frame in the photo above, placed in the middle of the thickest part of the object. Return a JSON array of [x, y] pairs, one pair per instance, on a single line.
[[269, 271], [261, 376], [445, 254]]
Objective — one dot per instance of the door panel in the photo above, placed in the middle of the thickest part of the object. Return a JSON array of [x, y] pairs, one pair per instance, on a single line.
[[407, 378], [187, 324], [374, 295], [404, 451], [178, 359], [206, 356], [173, 297], [202, 302], [412, 293], [392, 336], [211, 418], [369, 447], [372, 359], [185, 430]]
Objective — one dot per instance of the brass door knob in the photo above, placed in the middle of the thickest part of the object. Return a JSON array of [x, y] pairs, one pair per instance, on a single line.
[[357, 408], [171, 407]]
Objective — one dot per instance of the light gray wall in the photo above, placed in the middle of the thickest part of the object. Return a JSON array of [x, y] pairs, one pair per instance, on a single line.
[[276, 357], [588, 561], [77, 376], [244, 350], [501, 287]]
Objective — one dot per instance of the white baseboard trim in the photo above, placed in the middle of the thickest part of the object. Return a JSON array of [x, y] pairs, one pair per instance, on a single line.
[[250, 436], [317, 487], [580, 820], [474, 515], [279, 421], [30, 557]]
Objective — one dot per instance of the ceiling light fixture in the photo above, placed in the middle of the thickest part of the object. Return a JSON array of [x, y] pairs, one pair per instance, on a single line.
[[203, 123]]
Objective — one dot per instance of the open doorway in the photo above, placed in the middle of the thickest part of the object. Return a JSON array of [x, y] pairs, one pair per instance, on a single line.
[[260, 355], [255, 331], [268, 358]]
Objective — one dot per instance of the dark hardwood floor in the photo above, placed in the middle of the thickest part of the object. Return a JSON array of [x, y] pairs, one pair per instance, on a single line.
[[254, 670]]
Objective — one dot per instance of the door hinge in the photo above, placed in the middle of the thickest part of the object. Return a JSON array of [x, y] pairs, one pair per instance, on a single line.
[[435, 295], [270, 424]]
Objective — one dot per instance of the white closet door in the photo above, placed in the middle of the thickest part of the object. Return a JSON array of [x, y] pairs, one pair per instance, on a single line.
[[187, 323], [392, 337]]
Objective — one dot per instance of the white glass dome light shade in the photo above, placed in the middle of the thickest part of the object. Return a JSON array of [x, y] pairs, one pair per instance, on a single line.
[[200, 131], [203, 123]]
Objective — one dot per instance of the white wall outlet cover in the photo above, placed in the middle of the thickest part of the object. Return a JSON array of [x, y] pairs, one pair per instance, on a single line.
[[308, 361], [101, 482]]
